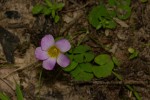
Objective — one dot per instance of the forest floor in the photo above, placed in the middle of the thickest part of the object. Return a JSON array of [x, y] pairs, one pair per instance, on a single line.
[[38, 84]]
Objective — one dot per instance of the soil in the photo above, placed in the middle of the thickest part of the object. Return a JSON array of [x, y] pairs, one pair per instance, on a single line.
[[20, 34]]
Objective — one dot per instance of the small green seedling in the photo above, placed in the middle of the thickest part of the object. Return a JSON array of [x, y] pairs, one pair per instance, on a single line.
[[101, 16], [19, 94], [48, 9], [133, 53]]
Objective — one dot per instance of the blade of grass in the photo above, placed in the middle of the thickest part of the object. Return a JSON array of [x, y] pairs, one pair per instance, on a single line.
[[19, 93], [4, 96]]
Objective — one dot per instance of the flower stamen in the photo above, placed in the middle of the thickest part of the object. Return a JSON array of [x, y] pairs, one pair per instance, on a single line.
[[53, 51]]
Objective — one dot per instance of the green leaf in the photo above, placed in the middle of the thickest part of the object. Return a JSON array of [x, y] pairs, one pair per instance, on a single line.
[[134, 55], [56, 19], [46, 11], [89, 56], [81, 49], [102, 59], [49, 3], [116, 61], [104, 70], [95, 14], [123, 12], [59, 6], [118, 76], [138, 97], [4, 96], [83, 76], [53, 13], [112, 2], [19, 93], [111, 24], [79, 58], [37, 9], [87, 67], [80, 73], [76, 71], [72, 66]]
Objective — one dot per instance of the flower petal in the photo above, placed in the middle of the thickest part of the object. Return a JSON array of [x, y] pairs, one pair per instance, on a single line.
[[63, 45], [49, 63], [47, 41], [63, 60], [40, 54]]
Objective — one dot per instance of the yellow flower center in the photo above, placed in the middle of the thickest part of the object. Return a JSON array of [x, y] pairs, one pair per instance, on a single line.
[[53, 52]]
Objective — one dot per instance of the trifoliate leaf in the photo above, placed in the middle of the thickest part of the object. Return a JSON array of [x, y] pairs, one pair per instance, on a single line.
[[103, 70], [83, 76], [79, 58], [72, 66], [87, 67], [81, 49], [102, 59], [89, 56], [76, 71], [37, 9]]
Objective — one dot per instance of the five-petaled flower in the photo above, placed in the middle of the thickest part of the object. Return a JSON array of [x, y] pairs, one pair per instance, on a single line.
[[51, 52]]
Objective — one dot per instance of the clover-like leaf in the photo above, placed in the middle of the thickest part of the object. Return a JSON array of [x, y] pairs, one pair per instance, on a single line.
[[79, 58], [89, 56], [79, 74], [81, 49], [95, 14], [103, 70], [102, 59], [83, 76], [71, 67], [87, 67]]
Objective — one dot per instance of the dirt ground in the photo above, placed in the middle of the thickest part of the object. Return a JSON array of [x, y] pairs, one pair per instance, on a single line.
[[20, 34]]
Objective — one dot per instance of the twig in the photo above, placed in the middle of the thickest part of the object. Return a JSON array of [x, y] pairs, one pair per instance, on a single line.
[[126, 82], [7, 84], [20, 69]]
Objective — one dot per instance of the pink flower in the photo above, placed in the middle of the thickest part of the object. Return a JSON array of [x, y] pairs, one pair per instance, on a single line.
[[51, 52]]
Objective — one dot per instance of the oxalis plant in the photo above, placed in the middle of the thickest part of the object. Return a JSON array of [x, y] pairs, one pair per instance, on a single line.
[[80, 62], [48, 8]]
